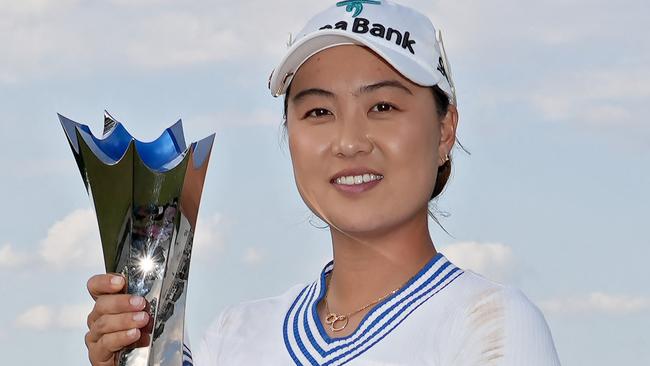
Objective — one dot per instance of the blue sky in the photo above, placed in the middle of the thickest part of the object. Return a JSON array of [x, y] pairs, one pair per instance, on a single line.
[[553, 98]]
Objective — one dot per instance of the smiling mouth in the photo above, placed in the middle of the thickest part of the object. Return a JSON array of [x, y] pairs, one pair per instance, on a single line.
[[351, 180], [353, 185]]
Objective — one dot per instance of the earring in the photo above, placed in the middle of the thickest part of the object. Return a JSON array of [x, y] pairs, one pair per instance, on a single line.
[[446, 158]]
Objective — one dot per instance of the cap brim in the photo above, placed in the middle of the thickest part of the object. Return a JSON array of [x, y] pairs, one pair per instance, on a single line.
[[306, 47]]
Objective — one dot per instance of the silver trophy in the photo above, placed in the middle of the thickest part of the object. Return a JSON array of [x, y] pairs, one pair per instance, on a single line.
[[146, 197]]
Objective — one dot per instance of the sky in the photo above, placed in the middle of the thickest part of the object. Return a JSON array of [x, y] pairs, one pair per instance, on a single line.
[[552, 196]]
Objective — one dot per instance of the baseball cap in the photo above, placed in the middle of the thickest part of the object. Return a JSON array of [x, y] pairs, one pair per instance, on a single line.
[[402, 36]]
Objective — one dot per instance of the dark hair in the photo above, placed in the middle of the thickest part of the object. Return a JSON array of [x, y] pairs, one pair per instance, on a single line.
[[444, 171]]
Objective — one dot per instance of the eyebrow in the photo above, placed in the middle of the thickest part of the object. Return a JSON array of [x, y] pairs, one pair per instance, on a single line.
[[362, 90], [384, 84], [312, 91]]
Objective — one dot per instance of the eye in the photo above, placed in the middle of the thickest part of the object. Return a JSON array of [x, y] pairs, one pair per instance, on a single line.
[[383, 107], [317, 112]]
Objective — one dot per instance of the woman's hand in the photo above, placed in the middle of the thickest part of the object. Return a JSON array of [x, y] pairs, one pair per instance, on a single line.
[[115, 321]]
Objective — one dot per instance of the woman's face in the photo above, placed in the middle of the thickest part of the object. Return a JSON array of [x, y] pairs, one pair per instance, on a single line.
[[350, 110]]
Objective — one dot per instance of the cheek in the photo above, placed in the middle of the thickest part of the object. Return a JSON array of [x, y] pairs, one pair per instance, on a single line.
[[306, 149], [412, 154]]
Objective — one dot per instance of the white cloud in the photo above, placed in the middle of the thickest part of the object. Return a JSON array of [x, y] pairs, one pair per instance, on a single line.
[[9, 258], [42, 38], [492, 260], [176, 39], [39, 317], [575, 61], [32, 7], [38, 37], [73, 316], [253, 256], [73, 241], [600, 302], [497, 24], [611, 96], [44, 317], [208, 237], [139, 3]]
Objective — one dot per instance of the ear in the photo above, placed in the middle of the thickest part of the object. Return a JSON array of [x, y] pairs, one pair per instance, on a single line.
[[448, 126]]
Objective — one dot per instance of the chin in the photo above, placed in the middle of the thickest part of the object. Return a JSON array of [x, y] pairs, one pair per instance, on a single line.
[[362, 223]]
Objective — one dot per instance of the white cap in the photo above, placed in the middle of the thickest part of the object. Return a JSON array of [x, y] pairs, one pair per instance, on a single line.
[[404, 37]]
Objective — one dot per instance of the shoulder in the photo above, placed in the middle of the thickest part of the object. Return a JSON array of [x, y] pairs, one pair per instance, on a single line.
[[481, 297], [498, 322], [237, 315], [238, 324]]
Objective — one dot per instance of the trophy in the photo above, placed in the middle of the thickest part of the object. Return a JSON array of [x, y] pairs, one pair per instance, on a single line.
[[146, 197]]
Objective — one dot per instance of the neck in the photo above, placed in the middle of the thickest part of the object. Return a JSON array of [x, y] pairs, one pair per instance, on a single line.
[[369, 266]]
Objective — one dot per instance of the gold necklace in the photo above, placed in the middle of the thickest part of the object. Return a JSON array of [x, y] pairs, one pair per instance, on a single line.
[[333, 318]]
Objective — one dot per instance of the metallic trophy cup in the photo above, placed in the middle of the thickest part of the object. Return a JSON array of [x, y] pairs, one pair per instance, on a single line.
[[146, 197]]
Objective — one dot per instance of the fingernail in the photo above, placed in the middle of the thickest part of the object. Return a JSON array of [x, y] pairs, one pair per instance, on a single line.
[[117, 280], [131, 333], [136, 300], [139, 316]]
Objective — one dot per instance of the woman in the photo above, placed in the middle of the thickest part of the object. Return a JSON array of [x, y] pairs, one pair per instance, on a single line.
[[371, 118]]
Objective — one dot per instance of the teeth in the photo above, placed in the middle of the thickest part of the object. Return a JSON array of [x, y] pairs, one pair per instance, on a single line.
[[358, 179]]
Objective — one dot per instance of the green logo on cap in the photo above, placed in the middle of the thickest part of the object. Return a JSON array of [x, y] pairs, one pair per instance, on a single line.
[[356, 5]]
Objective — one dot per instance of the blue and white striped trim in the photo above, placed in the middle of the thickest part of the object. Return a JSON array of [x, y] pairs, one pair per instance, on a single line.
[[187, 356], [308, 343]]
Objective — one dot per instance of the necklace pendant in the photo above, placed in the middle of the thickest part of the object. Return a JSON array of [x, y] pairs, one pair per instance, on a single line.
[[333, 319]]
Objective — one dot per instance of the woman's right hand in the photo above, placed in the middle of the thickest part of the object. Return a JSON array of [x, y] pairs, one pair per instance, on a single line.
[[115, 321]]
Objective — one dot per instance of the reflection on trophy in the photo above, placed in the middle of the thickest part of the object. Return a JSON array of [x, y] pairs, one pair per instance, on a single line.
[[146, 197]]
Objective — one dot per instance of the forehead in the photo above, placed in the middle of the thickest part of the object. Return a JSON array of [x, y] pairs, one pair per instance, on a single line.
[[345, 63]]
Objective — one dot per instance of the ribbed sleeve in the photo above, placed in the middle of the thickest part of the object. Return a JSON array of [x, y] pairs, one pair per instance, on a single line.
[[528, 339], [500, 326]]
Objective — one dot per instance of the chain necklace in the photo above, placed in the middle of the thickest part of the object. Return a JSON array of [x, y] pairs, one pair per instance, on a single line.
[[333, 319]]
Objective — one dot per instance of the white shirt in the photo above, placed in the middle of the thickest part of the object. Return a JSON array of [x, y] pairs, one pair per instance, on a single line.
[[443, 316]]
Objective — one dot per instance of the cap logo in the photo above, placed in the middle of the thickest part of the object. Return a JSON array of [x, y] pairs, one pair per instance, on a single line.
[[356, 5], [441, 68], [362, 26]]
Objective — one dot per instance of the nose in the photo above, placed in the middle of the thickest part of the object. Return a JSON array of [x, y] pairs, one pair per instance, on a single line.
[[351, 138]]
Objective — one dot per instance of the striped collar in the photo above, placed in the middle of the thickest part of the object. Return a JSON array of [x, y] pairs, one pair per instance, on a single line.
[[308, 343]]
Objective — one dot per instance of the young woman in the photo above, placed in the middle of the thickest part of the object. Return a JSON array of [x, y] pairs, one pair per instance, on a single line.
[[370, 111]]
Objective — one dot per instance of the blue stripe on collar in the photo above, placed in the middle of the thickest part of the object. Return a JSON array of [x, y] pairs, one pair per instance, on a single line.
[[307, 341]]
